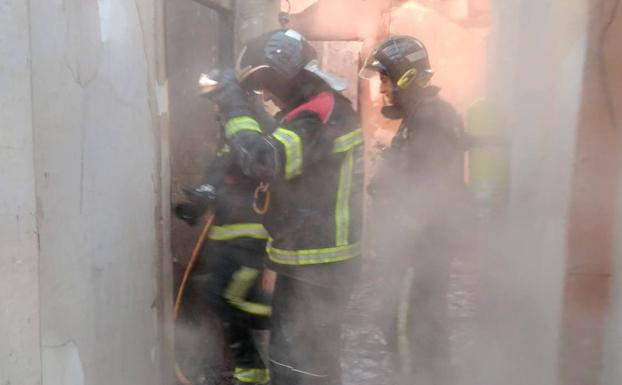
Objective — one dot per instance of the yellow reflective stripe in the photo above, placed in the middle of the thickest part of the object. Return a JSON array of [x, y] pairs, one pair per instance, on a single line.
[[238, 289], [254, 308], [313, 256], [241, 123], [238, 230], [241, 283], [293, 151], [342, 209], [348, 141], [259, 376]]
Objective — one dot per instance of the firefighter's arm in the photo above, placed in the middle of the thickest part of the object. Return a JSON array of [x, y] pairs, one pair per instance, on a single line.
[[282, 154], [265, 157], [202, 196], [218, 167]]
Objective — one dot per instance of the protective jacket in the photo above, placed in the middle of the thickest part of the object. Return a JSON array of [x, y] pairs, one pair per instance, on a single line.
[[235, 221], [227, 276], [313, 164], [424, 162]]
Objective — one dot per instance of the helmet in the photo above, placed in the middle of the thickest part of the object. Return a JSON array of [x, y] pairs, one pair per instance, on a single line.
[[271, 61], [403, 59]]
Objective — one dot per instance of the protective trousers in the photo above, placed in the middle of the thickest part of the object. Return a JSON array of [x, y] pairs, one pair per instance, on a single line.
[[305, 332], [428, 322], [415, 305], [228, 280]]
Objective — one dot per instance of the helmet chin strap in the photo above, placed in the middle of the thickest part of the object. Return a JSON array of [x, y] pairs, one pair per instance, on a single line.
[[404, 100], [392, 112]]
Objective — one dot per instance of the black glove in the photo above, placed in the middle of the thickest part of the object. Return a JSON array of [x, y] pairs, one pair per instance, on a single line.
[[230, 97], [201, 197], [188, 213], [204, 194]]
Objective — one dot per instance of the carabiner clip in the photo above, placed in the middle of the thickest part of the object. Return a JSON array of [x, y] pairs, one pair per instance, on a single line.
[[262, 189]]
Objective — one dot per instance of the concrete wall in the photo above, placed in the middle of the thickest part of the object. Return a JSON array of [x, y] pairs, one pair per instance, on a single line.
[[613, 344], [254, 17], [97, 168], [610, 23], [591, 230], [19, 255], [539, 56], [613, 347], [82, 104]]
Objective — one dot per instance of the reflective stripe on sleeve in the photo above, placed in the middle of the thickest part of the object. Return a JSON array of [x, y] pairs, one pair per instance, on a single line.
[[241, 123], [238, 230], [237, 291], [342, 209], [258, 376], [293, 151], [348, 141]]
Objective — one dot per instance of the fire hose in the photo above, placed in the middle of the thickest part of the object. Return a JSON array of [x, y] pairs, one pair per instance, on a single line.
[[182, 286]]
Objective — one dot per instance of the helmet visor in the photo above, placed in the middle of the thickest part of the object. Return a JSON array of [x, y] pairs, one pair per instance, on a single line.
[[372, 67]]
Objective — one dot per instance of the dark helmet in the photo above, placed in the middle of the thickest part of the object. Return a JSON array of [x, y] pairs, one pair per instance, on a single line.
[[403, 59], [272, 60]]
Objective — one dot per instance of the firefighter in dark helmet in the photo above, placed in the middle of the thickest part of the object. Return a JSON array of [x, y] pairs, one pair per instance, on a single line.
[[419, 204], [312, 166], [227, 276]]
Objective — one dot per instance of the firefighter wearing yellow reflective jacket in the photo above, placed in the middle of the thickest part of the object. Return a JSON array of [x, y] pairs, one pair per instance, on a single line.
[[313, 165], [227, 275]]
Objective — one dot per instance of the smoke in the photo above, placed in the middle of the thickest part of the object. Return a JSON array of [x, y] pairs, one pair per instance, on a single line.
[[199, 346], [472, 292]]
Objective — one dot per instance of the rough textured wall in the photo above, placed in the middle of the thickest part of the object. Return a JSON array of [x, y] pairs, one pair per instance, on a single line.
[[537, 72], [254, 17], [95, 117], [592, 207], [612, 369], [19, 288], [611, 69]]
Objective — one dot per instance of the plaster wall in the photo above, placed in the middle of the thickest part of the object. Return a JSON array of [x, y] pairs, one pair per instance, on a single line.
[[19, 252], [96, 109]]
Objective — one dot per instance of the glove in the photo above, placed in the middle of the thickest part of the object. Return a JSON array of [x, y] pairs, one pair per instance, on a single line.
[[201, 197], [188, 213], [230, 97], [204, 194]]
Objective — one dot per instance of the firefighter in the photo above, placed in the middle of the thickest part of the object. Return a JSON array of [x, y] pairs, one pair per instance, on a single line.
[[312, 167], [419, 205], [227, 276]]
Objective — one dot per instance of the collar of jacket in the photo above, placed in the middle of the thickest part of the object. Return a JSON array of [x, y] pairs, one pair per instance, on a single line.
[[322, 104], [407, 102]]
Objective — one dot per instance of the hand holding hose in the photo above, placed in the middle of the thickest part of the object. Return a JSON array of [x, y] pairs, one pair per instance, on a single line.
[[200, 199], [223, 89]]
